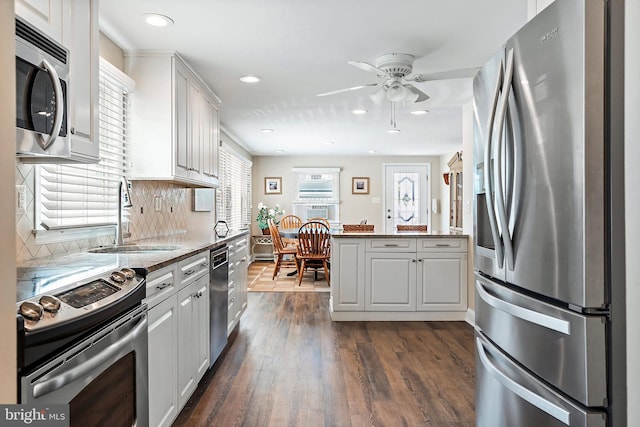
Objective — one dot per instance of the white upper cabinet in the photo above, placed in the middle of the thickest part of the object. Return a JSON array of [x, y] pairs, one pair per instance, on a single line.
[[46, 15], [80, 34], [176, 130]]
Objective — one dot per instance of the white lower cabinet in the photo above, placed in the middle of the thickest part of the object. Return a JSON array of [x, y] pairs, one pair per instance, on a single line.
[[178, 334], [163, 362], [238, 266], [401, 275], [390, 282], [193, 337]]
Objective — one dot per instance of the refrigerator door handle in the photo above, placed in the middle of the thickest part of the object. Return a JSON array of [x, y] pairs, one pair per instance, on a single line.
[[500, 197], [488, 178], [536, 400], [549, 322]]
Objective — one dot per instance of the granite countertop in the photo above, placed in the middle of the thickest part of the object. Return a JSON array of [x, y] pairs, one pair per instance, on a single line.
[[35, 276], [401, 234]]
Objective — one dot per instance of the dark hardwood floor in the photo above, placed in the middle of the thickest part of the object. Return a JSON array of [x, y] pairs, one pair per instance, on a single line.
[[289, 365]]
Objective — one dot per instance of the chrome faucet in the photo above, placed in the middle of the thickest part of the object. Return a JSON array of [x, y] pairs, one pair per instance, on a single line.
[[127, 196]]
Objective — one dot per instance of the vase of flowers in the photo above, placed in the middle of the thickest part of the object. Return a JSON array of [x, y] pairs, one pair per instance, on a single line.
[[265, 214]]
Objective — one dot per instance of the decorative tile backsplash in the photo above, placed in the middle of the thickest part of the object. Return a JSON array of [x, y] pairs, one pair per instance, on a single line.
[[143, 219]]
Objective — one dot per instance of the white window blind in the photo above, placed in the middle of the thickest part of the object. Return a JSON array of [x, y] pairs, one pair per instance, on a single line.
[[86, 195], [233, 201]]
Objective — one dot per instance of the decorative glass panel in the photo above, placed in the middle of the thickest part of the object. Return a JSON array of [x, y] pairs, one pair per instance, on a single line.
[[406, 198]]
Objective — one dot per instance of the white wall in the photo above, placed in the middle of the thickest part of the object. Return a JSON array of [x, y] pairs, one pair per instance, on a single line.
[[632, 200], [7, 215], [353, 207]]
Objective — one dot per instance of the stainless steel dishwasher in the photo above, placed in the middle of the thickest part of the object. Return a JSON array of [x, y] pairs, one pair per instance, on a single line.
[[218, 296]]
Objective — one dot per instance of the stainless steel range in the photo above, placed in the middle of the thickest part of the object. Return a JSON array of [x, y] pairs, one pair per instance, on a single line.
[[82, 329]]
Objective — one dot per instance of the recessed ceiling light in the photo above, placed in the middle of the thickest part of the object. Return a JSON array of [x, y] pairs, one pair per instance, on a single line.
[[359, 111], [157, 20], [372, 151], [250, 79], [279, 151], [266, 130], [419, 112], [329, 143], [394, 130]]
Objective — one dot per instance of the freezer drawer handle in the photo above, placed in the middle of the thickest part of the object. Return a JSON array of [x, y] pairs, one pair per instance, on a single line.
[[538, 401], [527, 315]]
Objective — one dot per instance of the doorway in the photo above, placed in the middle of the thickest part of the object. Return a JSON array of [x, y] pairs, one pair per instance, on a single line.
[[407, 192]]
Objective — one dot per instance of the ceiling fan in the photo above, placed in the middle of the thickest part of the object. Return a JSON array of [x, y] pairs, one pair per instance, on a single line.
[[394, 68]]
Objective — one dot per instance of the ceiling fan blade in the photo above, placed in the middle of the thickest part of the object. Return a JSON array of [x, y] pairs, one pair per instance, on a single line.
[[460, 73], [421, 96], [333, 92], [367, 67]]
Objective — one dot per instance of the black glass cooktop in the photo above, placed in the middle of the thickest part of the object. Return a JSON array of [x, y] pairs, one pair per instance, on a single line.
[[49, 279]]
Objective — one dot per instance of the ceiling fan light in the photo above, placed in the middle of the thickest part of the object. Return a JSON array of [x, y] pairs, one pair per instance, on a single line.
[[396, 92], [378, 96]]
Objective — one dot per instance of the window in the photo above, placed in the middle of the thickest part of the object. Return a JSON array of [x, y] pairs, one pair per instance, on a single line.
[[233, 201], [82, 195], [317, 193], [454, 181]]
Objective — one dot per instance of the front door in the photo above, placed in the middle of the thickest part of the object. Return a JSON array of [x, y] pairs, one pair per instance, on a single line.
[[407, 193]]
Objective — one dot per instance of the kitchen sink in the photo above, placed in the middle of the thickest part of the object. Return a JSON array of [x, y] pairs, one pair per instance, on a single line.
[[133, 248]]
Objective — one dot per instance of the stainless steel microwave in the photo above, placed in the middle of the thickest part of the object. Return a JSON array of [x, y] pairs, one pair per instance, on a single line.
[[42, 90]]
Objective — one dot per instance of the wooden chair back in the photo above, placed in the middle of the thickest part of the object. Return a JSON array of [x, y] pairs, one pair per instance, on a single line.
[[314, 240], [290, 221], [411, 227], [325, 221], [276, 239]]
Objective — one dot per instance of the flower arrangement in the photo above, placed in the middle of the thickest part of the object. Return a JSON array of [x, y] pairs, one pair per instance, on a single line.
[[265, 213]]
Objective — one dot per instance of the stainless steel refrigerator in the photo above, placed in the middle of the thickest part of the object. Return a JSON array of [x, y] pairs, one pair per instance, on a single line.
[[541, 229]]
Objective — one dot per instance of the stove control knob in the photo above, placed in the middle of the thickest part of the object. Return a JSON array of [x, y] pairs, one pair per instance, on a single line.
[[50, 303], [31, 310], [118, 277]]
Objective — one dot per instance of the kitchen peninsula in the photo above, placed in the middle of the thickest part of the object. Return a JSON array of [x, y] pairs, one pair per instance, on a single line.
[[407, 276]]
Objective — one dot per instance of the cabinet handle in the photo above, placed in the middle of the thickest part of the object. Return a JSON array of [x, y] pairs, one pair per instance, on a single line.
[[163, 285], [413, 260], [420, 260], [443, 245], [204, 264], [391, 245], [189, 272]]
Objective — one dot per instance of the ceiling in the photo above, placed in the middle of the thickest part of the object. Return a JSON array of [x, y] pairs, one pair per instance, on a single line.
[[301, 47]]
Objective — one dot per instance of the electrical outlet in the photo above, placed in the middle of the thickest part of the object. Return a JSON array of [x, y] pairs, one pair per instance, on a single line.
[[21, 199], [157, 203]]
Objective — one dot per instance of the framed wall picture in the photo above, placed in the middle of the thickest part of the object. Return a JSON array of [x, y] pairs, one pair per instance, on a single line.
[[360, 185], [273, 185]]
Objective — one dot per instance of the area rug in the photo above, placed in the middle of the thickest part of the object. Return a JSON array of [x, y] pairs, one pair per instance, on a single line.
[[259, 280]]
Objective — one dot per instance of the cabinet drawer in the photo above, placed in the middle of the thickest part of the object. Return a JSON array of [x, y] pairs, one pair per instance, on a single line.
[[160, 284], [193, 267], [391, 245], [442, 245]]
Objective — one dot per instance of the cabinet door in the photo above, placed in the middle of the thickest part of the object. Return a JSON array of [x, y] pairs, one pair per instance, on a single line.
[[201, 319], [215, 142], [163, 362], [186, 337], [46, 15], [80, 35], [181, 111], [348, 274], [390, 282], [195, 140], [442, 281], [206, 119]]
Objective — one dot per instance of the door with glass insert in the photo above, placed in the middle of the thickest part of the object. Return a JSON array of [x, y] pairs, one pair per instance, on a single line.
[[406, 195]]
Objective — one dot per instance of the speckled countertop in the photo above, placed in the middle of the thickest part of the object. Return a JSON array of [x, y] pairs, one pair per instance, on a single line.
[[39, 275], [401, 234]]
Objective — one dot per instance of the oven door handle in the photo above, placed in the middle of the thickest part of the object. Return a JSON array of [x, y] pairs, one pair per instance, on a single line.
[[61, 380]]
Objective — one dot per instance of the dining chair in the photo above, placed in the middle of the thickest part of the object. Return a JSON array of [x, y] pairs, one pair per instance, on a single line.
[[325, 221], [281, 251], [290, 221], [314, 249]]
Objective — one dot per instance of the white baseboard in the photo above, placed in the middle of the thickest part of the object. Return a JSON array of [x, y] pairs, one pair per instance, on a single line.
[[471, 317]]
